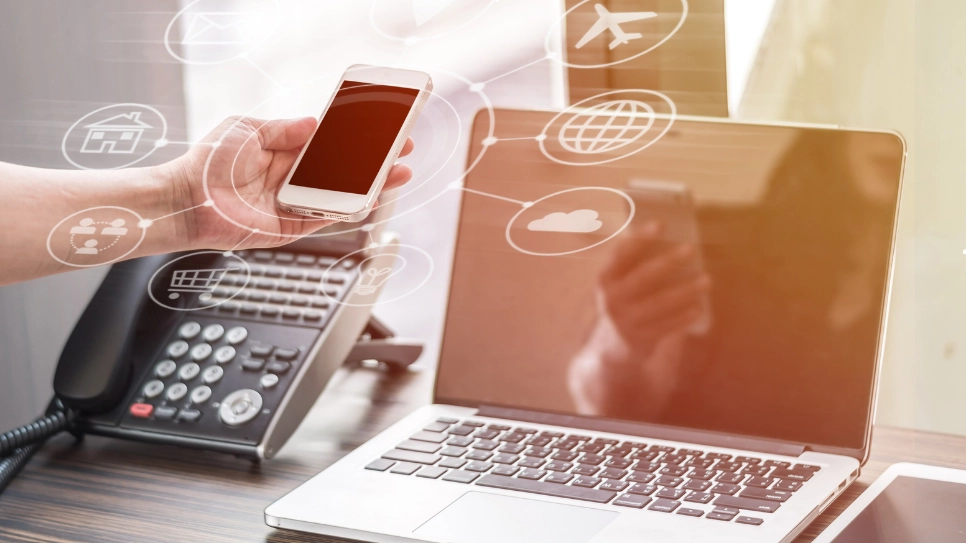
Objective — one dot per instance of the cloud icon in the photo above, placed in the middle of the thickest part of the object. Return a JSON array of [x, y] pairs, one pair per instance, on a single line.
[[582, 221]]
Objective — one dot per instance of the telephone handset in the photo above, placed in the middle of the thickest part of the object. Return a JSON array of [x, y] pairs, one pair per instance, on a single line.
[[218, 351]]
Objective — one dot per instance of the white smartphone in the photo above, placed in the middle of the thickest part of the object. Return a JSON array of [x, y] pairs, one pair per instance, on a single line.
[[342, 169]]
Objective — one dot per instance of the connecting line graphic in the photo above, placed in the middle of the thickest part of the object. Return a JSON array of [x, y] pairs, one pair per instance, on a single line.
[[240, 243], [479, 86], [487, 194], [263, 72], [146, 223]]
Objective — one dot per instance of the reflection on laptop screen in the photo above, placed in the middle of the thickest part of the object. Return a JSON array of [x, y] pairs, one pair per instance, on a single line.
[[726, 277]]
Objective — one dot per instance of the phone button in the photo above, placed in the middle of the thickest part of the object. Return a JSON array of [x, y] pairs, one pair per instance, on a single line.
[[189, 415], [153, 388], [165, 413], [240, 407], [177, 391], [224, 355], [212, 374], [177, 349], [200, 394], [200, 352], [189, 330], [165, 368], [269, 380], [237, 334], [142, 410], [213, 332], [189, 371]]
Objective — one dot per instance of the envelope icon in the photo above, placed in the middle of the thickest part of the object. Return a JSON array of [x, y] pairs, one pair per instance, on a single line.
[[225, 28]]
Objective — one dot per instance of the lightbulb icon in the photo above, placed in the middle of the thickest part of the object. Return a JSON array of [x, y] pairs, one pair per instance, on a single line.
[[375, 271]]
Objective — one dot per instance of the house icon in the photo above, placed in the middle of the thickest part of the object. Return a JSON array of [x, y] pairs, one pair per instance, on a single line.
[[118, 135]]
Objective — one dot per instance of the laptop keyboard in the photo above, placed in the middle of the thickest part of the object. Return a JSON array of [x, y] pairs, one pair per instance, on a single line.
[[624, 473]]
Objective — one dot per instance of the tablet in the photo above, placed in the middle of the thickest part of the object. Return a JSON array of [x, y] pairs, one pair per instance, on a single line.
[[909, 503]]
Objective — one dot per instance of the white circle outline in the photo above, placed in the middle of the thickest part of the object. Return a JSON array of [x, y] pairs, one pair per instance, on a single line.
[[153, 148], [268, 35], [630, 217], [248, 278], [572, 109], [562, 21], [429, 258], [491, 129], [50, 236], [372, 23], [459, 138]]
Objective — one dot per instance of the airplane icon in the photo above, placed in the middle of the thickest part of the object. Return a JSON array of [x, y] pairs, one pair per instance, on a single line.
[[612, 21]]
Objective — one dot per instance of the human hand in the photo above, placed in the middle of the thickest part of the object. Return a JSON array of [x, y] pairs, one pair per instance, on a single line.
[[649, 291], [246, 161]]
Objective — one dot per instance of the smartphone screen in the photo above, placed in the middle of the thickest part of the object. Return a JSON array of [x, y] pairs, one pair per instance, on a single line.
[[354, 137]]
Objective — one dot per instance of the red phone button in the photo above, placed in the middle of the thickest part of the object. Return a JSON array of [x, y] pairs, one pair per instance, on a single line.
[[142, 410]]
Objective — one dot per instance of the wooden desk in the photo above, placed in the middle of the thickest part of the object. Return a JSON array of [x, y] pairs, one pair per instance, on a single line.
[[110, 491]]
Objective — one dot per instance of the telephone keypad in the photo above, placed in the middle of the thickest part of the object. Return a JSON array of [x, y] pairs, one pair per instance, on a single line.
[[189, 330], [178, 349], [165, 368], [189, 371]]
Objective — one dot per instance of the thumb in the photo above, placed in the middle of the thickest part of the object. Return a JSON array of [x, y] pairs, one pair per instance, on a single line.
[[286, 134]]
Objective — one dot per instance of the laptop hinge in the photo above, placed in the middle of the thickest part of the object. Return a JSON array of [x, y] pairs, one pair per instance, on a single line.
[[699, 437]]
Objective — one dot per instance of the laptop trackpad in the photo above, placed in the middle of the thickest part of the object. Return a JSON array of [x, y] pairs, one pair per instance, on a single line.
[[478, 517]]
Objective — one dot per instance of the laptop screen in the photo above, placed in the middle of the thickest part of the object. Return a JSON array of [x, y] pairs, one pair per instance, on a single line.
[[695, 274]]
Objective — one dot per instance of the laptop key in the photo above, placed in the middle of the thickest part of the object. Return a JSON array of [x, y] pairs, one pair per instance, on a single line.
[[611, 473], [405, 468], [486, 434], [513, 438], [474, 423], [673, 470], [641, 477], [437, 427], [755, 471], [559, 478], [592, 459], [697, 484], [460, 441], [460, 476], [431, 472], [418, 446], [432, 437], [380, 465], [791, 486], [699, 497], [807, 467], [649, 467], [505, 459], [565, 456], [668, 481], [752, 521], [759, 482], [776, 463], [540, 452], [618, 463], [454, 452], [546, 489], [762, 506], [584, 469], [765, 494], [690, 512], [714, 515], [616, 486], [664, 506], [479, 467], [532, 474], [790, 475], [725, 488], [587, 481], [412, 456], [486, 445], [532, 462], [632, 500], [671, 493], [452, 463], [730, 478], [462, 430], [506, 470], [479, 455], [559, 466], [512, 448], [643, 490]]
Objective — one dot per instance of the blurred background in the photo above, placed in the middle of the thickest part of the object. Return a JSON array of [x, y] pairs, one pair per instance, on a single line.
[[888, 64]]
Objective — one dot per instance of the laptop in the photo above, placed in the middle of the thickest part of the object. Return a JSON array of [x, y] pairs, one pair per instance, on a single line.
[[658, 329]]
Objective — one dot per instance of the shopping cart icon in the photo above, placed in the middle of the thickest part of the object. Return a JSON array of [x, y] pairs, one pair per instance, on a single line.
[[202, 282]]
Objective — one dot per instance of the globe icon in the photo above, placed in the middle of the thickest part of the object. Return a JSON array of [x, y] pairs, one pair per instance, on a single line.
[[606, 127]]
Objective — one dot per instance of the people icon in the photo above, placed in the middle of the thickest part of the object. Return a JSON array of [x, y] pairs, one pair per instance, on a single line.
[[85, 227], [116, 228], [89, 248]]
